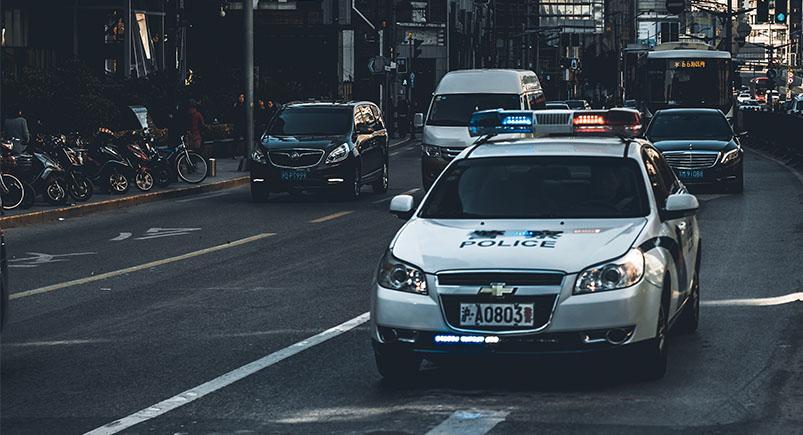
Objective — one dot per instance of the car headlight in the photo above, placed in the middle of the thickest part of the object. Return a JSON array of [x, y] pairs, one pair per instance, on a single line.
[[396, 275], [338, 154], [730, 156], [620, 273], [431, 150], [259, 156]]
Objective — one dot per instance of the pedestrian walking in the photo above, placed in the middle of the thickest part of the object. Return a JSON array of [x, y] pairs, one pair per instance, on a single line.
[[195, 125], [16, 129], [239, 116]]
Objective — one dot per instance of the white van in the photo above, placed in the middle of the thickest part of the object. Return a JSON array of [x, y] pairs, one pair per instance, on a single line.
[[461, 93]]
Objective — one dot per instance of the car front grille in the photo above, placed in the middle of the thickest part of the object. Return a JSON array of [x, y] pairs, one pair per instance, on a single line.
[[691, 159], [450, 153], [543, 310], [552, 118], [509, 278], [296, 158]]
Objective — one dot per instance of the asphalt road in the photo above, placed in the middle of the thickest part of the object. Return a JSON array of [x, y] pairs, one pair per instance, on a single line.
[[216, 282]]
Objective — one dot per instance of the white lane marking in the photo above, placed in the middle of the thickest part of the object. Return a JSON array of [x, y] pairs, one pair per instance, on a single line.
[[474, 422], [331, 216], [227, 379], [148, 265], [756, 302], [155, 233], [57, 342], [122, 236], [39, 258], [402, 150], [709, 197], [409, 192], [207, 196], [794, 171]]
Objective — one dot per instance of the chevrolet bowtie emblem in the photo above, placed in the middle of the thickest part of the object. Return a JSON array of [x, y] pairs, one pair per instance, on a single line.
[[497, 289]]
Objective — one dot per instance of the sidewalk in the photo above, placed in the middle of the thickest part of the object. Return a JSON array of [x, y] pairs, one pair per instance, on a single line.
[[226, 177]]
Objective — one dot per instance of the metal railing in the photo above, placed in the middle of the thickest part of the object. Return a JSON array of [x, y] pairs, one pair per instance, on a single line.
[[779, 133]]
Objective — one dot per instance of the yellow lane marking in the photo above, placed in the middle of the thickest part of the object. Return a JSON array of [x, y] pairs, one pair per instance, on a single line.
[[107, 275], [331, 216]]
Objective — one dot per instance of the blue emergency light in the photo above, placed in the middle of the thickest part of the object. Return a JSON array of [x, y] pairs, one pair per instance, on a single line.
[[493, 122]]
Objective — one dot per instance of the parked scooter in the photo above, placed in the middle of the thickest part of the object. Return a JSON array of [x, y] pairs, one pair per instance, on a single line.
[[104, 164], [43, 173], [79, 185], [131, 149]]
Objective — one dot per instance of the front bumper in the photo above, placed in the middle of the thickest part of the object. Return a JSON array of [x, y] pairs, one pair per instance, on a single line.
[[321, 176], [578, 323]]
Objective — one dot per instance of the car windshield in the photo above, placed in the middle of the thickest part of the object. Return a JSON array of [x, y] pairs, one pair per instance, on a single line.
[[539, 187], [312, 121], [454, 110], [558, 106], [689, 126], [576, 104]]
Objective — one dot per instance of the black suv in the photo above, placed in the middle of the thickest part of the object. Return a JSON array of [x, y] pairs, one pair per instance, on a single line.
[[314, 146]]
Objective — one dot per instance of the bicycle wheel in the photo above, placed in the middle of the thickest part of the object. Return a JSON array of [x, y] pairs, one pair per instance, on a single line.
[[192, 171], [15, 192]]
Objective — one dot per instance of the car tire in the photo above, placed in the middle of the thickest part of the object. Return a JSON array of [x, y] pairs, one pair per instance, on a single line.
[[381, 185], [689, 319], [397, 367], [651, 356], [352, 187], [259, 193]]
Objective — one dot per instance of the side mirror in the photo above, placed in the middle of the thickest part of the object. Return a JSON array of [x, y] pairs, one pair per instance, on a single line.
[[418, 120], [680, 205], [402, 206]]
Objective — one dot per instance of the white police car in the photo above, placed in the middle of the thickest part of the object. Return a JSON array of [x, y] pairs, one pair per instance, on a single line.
[[541, 245]]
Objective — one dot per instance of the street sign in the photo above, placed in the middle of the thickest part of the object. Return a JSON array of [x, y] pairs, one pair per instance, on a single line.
[[377, 64], [401, 65]]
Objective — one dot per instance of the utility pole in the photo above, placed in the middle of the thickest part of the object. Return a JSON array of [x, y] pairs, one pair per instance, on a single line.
[[248, 70], [729, 29]]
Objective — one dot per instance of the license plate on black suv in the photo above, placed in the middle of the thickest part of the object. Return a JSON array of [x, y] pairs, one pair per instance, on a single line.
[[480, 314]]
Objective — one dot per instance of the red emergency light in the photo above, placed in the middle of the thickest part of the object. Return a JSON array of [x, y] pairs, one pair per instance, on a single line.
[[619, 122]]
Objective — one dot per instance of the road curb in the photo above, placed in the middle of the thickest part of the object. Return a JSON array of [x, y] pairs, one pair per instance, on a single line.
[[93, 207]]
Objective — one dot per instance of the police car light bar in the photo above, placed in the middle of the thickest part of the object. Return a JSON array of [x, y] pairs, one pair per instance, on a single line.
[[620, 122], [493, 122]]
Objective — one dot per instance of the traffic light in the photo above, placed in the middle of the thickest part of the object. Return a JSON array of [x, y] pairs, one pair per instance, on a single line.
[[780, 12], [417, 47], [762, 11]]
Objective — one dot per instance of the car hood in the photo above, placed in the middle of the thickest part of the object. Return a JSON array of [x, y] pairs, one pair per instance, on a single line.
[[691, 144], [452, 137], [569, 245], [315, 142]]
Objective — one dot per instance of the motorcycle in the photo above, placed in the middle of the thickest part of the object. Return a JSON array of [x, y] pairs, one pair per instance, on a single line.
[[44, 174], [79, 185], [138, 158], [104, 164]]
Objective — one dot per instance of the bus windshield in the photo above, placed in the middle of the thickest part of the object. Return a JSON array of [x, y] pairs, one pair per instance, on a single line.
[[700, 82]]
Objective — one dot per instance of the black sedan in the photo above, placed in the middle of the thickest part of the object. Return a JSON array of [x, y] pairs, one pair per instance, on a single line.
[[700, 145], [322, 146]]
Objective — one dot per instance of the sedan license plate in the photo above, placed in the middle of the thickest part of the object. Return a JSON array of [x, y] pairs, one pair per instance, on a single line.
[[687, 174], [497, 315], [293, 175]]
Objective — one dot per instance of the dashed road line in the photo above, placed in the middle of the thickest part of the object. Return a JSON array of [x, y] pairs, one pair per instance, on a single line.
[[472, 422], [331, 216], [399, 143], [226, 379], [107, 275], [211, 195], [409, 192]]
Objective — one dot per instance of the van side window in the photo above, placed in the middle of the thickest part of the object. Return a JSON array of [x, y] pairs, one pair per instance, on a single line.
[[536, 100]]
